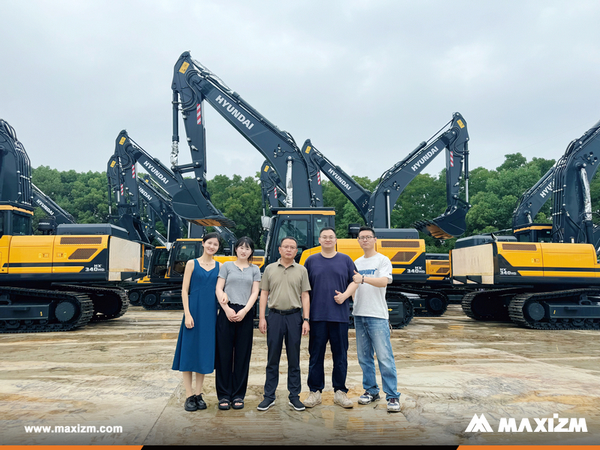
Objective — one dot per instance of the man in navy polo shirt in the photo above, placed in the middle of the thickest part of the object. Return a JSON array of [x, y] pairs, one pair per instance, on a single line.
[[330, 274]]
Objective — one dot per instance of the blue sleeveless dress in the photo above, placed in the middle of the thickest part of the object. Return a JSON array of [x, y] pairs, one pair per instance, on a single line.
[[195, 351]]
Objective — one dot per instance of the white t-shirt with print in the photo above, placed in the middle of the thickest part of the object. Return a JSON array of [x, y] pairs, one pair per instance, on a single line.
[[369, 301]]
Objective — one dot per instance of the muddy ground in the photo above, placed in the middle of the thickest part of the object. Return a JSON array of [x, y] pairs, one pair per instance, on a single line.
[[118, 374]]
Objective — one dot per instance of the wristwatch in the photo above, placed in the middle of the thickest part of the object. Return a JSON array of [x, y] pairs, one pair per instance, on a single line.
[[306, 319]]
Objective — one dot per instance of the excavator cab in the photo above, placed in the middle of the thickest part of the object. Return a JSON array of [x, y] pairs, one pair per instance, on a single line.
[[182, 251], [14, 221], [302, 224], [534, 232]]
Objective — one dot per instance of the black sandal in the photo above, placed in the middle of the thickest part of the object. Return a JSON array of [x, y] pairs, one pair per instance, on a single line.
[[238, 403], [224, 404]]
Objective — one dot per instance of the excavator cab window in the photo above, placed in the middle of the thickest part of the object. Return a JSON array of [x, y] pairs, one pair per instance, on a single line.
[[158, 267], [320, 223], [182, 255], [535, 234], [298, 229], [2, 223], [21, 225]]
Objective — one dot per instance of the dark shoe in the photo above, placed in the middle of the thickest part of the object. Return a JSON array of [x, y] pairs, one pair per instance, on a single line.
[[201, 403], [224, 404], [190, 403], [367, 398], [265, 404], [297, 404], [238, 403]]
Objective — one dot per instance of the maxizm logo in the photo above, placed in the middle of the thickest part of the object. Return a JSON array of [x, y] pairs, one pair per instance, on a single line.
[[426, 157], [554, 424], [234, 112]]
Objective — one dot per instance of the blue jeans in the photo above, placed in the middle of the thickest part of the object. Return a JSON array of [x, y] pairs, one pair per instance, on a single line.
[[373, 335]]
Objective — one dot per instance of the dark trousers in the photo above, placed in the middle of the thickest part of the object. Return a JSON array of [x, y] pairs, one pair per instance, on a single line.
[[337, 335], [232, 357], [282, 329]]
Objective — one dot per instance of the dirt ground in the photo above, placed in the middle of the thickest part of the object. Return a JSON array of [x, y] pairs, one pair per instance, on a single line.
[[118, 374]]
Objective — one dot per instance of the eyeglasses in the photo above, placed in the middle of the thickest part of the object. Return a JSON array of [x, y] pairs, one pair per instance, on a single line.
[[328, 238], [366, 238], [288, 247]]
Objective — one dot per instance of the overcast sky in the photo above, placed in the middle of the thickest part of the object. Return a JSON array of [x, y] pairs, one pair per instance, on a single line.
[[365, 80]]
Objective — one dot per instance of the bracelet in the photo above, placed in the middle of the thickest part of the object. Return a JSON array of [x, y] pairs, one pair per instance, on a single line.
[[306, 319], [363, 280]]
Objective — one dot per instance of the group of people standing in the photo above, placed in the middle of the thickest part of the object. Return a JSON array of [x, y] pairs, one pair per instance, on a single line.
[[217, 327]]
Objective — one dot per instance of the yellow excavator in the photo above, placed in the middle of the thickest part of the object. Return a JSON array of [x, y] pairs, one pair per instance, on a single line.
[[58, 282], [548, 278]]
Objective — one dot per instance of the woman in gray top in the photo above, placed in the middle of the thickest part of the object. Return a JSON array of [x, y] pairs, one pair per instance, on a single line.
[[237, 291]]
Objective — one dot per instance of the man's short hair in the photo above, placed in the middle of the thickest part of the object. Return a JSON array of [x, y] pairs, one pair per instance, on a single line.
[[365, 228], [326, 229], [288, 237]]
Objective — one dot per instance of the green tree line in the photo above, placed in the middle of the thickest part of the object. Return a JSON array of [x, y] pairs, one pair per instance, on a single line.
[[494, 194]]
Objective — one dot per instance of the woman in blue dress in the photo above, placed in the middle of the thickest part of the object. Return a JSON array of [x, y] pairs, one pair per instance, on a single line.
[[195, 352]]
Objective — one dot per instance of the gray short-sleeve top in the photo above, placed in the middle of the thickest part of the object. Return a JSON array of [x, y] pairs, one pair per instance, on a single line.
[[238, 282]]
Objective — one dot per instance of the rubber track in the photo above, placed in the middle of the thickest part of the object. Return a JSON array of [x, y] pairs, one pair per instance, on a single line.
[[84, 302], [518, 302], [91, 290]]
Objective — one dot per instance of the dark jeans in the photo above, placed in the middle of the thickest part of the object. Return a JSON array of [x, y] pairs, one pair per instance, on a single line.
[[280, 329], [337, 335], [232, 358]]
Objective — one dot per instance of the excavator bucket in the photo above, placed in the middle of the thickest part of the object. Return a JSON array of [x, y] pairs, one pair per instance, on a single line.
[[189, 204], [448, 225]]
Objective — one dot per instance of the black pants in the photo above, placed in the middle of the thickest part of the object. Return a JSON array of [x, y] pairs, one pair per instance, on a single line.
[[232, 357], [337, 335], [280, 329]]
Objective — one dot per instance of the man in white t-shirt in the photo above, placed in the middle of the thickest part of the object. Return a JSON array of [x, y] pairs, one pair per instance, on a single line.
[[371, 322]]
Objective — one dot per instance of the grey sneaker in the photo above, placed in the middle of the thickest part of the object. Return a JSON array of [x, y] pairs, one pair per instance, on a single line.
[[340, 398], [367, 398], [393, 405], [313, 399]]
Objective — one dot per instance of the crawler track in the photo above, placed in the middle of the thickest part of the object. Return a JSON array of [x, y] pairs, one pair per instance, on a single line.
[[401, 309], [109, 302], [487, 305], [151, 300], [531, 310], [66, 310]]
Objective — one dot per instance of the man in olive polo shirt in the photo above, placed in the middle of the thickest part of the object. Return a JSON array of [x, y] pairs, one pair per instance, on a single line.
[[284, 287]]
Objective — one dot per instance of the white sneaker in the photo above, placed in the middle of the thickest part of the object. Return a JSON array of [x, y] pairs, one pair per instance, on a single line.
[[393, 405], [313, 399], [340, 398]]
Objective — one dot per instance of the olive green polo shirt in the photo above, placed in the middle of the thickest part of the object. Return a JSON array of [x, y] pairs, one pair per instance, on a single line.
[[285, 285]]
